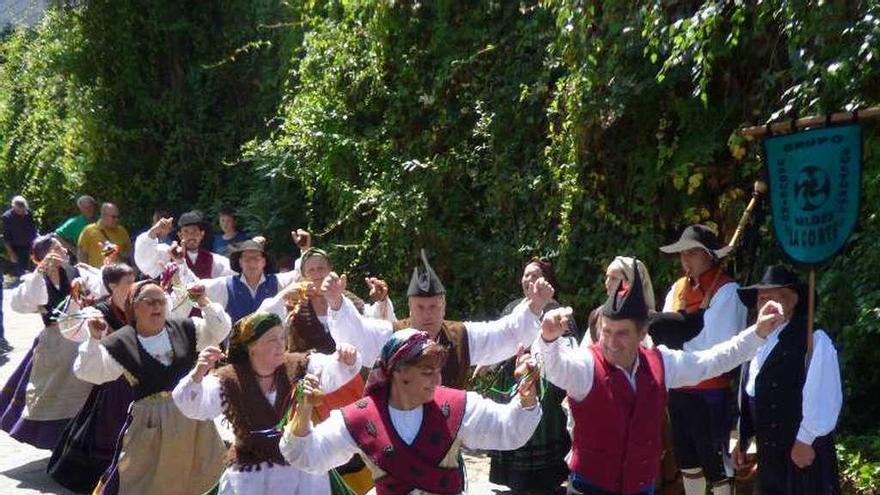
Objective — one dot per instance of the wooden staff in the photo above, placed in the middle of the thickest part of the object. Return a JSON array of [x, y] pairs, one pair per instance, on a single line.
[[811, 311], [784, 126], [760, 188]]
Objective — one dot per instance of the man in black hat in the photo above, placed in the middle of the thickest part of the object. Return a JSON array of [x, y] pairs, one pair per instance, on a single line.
[[151, 256], [469, 343], [617, 388], [700, 415], [790, 409]]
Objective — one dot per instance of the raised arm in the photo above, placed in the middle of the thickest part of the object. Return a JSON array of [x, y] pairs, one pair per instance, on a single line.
[[213, 326], [684, 368], [490, 425], [94, 364], [568, 367], [150, 255], [337, 369], [347, 325]]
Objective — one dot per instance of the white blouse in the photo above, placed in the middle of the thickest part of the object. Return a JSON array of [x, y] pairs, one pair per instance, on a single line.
[[33, 293], [486, 425], [151, 257], [94, 364], [488, 342]]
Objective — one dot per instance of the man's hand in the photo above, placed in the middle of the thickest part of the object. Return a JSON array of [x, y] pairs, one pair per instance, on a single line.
[[332, 287], [539, 294], [197, 293], [97, 327], [176, 252], [770, 316], [378, 289], [738, 457], [555, 323], [205, 363], [302, 239], [802, 454], [347, 354], [161, 228]]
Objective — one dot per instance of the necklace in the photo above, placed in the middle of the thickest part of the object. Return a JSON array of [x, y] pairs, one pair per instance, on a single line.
[[270, 375]]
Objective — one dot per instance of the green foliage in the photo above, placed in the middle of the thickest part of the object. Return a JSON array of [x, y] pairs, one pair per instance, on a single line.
[[859, 458]]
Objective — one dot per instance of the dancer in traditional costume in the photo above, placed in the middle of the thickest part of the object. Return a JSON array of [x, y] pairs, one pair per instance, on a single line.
[[161, 450], [790, 408], [408, 428], [42, 395], [538, 466], [252, 392], [617, 389], [701, 414], [469, 343], [89, 441], [152, 257]]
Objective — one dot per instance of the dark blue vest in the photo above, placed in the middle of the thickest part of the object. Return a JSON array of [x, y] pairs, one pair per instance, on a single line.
[[241, 303]]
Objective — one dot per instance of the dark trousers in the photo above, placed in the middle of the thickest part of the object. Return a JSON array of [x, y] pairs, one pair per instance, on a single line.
[[701, 423], [24, 260]]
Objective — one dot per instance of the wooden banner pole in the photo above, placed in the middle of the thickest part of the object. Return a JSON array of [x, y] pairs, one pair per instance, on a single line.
[[787, 126]]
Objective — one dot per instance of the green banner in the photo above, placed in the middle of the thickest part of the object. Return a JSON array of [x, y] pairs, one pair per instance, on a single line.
[[815, 183]]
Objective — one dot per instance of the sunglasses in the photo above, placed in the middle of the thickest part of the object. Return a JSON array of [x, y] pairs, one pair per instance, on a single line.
[[152, 301]]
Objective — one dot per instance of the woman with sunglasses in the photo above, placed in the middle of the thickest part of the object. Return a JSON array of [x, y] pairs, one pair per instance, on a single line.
[[42, 395], [252, 392], [161, 450]]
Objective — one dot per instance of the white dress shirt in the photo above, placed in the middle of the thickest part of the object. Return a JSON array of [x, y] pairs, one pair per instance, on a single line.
[[822, 392], [724, 318]]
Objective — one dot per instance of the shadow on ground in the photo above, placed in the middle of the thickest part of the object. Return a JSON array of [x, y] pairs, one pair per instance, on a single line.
[[32, 476]]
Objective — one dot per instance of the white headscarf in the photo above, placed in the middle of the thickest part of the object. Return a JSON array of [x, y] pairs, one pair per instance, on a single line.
[[624, 264]]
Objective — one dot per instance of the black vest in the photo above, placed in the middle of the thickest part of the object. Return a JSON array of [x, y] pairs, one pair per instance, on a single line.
[[777, 404], [66, 274], [147, 375], [105, 306]]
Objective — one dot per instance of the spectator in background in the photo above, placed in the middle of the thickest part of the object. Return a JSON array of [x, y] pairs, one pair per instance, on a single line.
[[19, 231], [229, 232], [69, 231], [105, 234]]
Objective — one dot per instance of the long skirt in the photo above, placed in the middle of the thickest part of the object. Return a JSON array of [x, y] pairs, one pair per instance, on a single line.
[[86, 448], [539, 465], [43, 393], [163, 451]]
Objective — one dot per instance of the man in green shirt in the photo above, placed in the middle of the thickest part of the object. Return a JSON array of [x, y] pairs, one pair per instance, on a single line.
[[69, 231]]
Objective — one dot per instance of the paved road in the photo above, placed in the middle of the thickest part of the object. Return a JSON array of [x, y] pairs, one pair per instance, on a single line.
[[23, 468]]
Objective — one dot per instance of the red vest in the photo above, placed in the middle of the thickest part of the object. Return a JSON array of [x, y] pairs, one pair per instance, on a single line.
[[618, 431], [415, 466], [203, 266]]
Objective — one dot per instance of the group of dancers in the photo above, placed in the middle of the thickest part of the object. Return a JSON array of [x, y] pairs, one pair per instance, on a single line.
[[324, 392]]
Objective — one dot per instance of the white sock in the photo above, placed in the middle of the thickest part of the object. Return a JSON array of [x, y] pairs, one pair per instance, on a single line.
[[693, 486], [722, 489]]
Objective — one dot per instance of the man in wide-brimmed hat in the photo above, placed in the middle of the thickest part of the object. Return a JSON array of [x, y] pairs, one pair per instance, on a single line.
[[152, 257], [617, 388], [790, 409], [700, 415], [242, 292], [408, 428]]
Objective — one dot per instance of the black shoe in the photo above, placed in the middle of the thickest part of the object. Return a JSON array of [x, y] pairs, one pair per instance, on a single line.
[[5, 345]]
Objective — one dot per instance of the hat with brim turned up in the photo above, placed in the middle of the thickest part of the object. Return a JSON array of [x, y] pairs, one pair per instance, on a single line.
[[698, 236]]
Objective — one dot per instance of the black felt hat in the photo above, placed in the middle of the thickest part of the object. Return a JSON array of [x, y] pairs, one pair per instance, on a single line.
[[424, 281], [193, 217], [775, 277], [698, 236], [627, 302]]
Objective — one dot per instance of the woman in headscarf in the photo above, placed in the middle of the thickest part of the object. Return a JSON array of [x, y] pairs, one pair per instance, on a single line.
[[539, 465], [42, 395], [88, 443], [161, 450], [408, 428], [252, 392], [621, 269]]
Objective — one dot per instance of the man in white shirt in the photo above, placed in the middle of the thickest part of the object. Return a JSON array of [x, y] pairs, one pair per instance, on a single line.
[[791, 410], [617, 389], [152, 257]]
